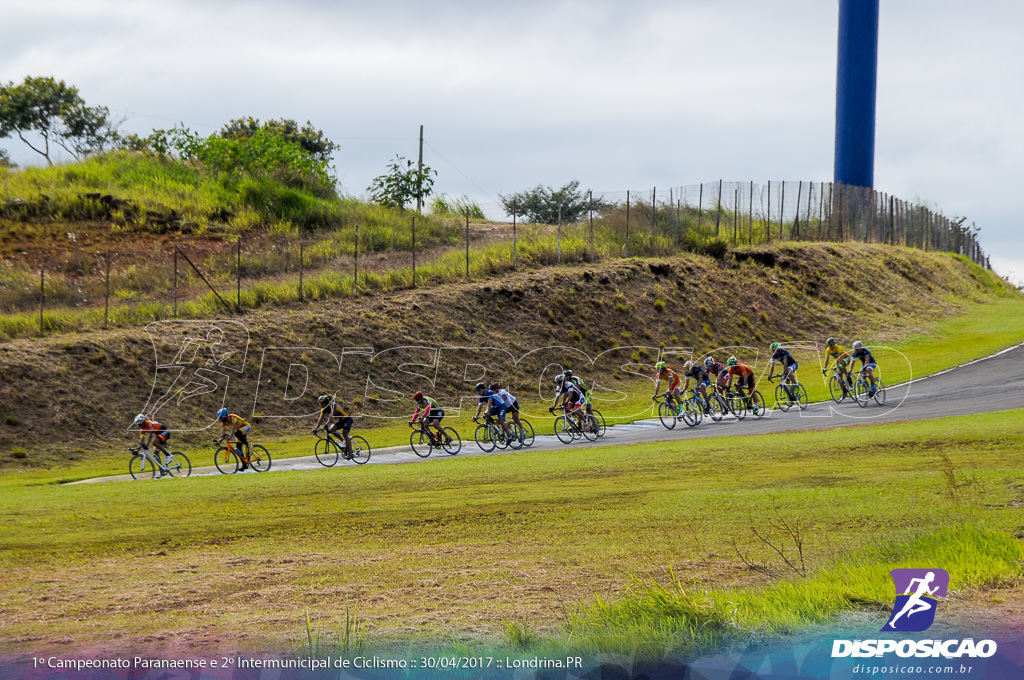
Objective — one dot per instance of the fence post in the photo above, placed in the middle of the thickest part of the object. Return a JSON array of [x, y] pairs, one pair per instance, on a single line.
[[654, 199], [718, 214], [301, 264], [42, 292], [796, 219], [106, 304], [700, 208], [750, 216], [590, 210], [238, 284], [735, 213], [782, 208], [627, 222], [355, 263], [413, 251], [467, 244], [768, 225], [175, 282], [515, 243], [559, 232]]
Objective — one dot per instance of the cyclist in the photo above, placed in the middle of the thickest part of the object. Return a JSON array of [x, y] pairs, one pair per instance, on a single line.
[[432, 414], [334, 417], [716, 369], [843, 361], [583, 388], [701, 380], [571, 395], [495, 404], [746, 378], [236, 426], [782, 356], [152, 434], [510, 404], [673, 391], [867, 363]]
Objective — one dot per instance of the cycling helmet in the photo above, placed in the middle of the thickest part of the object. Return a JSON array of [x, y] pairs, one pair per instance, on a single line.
[[568, 374], [659, 366], [223, 413], [709, 362], [857, 344], [560, 378], [324, 399], [688, 365], [480, 386], [139, 420], [495, 385], [830, 342], [775, 346], [417, 396], [731, 361]]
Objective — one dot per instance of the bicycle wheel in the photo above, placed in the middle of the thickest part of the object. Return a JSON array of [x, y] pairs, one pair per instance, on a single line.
[[879, 392], [589, 428], [499, 436], [178, 464], [757, 406], [716, 407], [360, 450], [453, 442], [140, 468], [601, 427], [226, 461], [326, 452], [693, 413], [259, 458], [860, 392], [835, 389], [420, 443], [515, 436], [783, 399], [562, 430], [800, 395], [736, 406], [667, 415], [527, 430], [484, 438]]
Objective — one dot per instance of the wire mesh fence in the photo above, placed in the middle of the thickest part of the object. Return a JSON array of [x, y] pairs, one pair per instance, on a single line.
[[183, 279]]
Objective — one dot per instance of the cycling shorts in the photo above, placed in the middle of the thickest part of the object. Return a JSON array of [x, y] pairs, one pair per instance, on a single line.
[[435, 415], [869, 367], [746, 381], [344, 424]]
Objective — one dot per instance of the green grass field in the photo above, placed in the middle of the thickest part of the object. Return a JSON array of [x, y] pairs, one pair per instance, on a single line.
[[528, 550]]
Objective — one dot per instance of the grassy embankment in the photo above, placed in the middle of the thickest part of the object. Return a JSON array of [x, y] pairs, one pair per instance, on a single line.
[[650, 549]]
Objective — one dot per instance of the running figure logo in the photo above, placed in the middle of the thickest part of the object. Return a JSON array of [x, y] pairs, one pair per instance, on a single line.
[[917, 593]]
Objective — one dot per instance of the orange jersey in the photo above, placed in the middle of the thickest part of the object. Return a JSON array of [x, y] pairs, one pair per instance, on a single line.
[[671, 377], [741, 370]]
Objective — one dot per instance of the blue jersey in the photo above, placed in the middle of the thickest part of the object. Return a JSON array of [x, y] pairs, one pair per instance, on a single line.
[[864, 355], [783, 356]]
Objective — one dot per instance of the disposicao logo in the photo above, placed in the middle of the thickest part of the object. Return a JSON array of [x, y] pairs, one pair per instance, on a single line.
[[917, 593]]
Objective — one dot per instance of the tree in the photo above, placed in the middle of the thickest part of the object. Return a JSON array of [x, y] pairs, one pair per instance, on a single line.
[[55, 112], [5, 159], [402, 184], [545, 205], [313, 141]]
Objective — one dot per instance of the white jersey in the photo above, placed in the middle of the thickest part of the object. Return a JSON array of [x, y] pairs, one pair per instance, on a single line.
[[506, 398]]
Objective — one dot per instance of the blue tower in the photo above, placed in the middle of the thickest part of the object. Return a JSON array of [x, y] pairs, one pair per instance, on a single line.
[[855, 92]]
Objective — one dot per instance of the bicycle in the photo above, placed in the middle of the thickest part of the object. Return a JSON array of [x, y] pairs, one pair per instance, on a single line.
[[229, 458], [176, 464], [688, 410], [328, 449], [862, 390], [423, 441], [490, 434], [570, 426], [789, 393], [715, 406], [840, 386], [740, 403], [526, 431]]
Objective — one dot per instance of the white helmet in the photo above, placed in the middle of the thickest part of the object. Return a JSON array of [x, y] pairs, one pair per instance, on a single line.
[[688, 365], [560, 378], [708, 362], [139, 420], [857, 344]]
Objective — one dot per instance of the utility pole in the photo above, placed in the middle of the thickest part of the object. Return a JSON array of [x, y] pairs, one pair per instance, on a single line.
[[419, 176]]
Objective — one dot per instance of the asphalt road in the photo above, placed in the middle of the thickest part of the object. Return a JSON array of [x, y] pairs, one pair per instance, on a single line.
[[995, 383]]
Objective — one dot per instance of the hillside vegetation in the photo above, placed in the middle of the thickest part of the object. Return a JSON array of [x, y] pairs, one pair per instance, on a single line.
[[92, 383]]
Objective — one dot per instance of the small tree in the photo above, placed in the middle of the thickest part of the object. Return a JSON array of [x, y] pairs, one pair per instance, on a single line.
[[5, 159], [402, 184], [545, 205], [55, 112], [314, 142]]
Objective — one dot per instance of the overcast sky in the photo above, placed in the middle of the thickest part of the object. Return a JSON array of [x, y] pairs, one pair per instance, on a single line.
[[618, 95]]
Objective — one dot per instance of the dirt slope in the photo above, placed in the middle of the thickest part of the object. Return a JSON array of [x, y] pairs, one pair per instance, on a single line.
[[86, 387]]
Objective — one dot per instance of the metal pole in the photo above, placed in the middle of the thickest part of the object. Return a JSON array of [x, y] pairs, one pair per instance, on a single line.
[[467, 244], [355, 262], [627, 223], [590, 209], [718, 215], [515, 242], [238, 270], [559, 232], [106, 306], [42, 292], [413, 251], [175, 282], [768, 226], [419, 176], [301, 246]]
